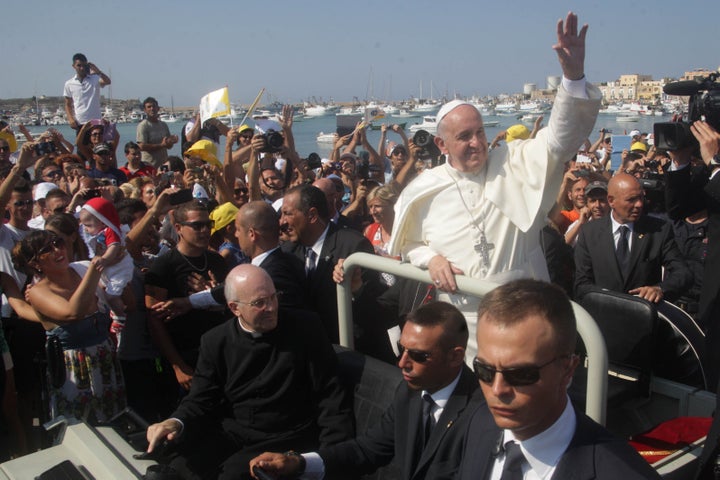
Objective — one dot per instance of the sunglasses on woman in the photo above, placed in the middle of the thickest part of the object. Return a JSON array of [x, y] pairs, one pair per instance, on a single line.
[[55, 243]]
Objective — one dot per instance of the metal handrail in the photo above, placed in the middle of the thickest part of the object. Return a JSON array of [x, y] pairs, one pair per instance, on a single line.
[[595, 406]]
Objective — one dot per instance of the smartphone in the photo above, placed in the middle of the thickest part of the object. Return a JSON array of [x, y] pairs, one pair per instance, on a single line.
[[181, 196]]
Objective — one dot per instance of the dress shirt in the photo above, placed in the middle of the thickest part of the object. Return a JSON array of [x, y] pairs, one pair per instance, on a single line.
[[261, 258], [441, 397], [317, 246], [543, 451]]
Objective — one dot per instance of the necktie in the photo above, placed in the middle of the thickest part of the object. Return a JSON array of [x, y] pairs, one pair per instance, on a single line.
[[622, 252], [514, 458], [310, 257], [428, 417]]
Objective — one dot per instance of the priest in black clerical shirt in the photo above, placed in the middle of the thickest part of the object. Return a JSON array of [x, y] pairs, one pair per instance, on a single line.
[[264, 380]]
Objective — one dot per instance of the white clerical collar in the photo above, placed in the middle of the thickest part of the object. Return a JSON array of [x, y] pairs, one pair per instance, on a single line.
[[544, 450], [261, 258], [252, 333], [469, 175]]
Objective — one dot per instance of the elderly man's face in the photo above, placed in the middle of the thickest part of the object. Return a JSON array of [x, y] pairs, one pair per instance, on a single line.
[[462, 138], [256, 304], [530, 409]]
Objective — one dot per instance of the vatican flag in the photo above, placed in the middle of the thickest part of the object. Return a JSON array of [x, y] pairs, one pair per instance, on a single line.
[[215, 104]]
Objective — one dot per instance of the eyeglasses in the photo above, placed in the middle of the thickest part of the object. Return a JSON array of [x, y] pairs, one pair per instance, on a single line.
[[55, 243], [263, 302], [197, 226], [238, 191], [246, 137], [96, 134], [515, 377], [4, 148], [23, 203], [415, 355], [54, 173]]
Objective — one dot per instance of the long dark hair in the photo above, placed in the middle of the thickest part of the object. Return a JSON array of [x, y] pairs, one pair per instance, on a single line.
[[26, 250]]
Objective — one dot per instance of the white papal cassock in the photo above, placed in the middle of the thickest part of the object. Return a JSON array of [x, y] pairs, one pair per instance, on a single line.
[[444, 211]]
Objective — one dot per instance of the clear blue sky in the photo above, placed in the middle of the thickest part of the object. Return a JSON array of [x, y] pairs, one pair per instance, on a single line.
[[322, 48]]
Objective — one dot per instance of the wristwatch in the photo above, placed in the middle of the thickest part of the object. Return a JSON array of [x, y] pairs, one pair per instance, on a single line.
[[301, 459]]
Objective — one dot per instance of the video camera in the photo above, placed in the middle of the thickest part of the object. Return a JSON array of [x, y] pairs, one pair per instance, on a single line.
[[704, 104], [428, 150]]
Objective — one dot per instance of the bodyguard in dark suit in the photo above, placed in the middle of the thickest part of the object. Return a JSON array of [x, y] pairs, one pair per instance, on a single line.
[[258, 232], [626, 251], [320, 244], [263, 380], [688, 190], [526, 342], [423, 435]]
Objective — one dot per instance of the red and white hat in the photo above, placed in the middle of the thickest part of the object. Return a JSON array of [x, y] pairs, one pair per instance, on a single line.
[[105, 212]]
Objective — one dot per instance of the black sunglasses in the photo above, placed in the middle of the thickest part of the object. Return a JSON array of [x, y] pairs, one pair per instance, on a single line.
[[415, 355], [4, 149], [55, 243], [197, 226], [238, 191], [54, 173], [515, 377], [23, 203]]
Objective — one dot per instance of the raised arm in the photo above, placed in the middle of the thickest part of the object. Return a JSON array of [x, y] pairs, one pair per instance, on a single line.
[[58, 309], [570, 47]]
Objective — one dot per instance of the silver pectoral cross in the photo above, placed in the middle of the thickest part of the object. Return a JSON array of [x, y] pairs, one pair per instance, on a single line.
[[483, 248]]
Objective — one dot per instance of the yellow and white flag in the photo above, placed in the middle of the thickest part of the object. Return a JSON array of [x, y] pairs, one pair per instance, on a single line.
[[215, 104]]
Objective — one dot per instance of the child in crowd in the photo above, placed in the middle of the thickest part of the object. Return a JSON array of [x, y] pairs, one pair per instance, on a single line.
[[102, 225]]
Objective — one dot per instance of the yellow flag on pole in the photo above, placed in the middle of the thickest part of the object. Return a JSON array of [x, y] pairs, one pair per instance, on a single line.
[[215, 104]]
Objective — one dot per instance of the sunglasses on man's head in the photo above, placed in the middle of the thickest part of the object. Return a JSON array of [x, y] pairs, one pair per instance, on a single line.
[[415, 355], [199, 225], [515, 377]]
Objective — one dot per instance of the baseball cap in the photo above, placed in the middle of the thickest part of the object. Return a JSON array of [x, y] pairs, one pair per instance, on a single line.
[[596, 185]]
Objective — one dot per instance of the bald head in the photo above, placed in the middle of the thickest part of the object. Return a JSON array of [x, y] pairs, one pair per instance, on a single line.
[[242, 278], [261, 216], [620, 182], [626, 198], [327, 186], [252, 298]]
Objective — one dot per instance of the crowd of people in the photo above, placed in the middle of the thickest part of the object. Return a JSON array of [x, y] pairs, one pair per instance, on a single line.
[[123, 278]]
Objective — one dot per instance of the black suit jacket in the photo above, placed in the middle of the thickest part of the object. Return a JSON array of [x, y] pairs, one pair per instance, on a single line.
[[653, 247], [321, 289], [593, 453], [288, 276], [397, 436]]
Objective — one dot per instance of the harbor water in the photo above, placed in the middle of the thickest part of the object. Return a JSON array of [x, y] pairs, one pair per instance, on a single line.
[[307, 129]]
